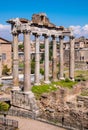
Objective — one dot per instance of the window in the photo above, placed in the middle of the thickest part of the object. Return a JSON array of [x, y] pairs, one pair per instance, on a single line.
[[3, 56]]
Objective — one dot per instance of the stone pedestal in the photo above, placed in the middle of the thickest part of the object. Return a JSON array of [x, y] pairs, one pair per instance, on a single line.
[[24, 101]]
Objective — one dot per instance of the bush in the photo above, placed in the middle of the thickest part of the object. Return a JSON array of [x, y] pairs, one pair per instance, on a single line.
[[5, 70], [67, 80], [4, 106], [80, 78], [32, 67], [41, 71]]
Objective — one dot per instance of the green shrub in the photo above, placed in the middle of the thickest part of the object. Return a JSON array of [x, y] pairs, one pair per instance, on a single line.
[[1, 85], [4, 106], [42, 71], [5, 70], [67, 80], [80, 78], [32, 67]]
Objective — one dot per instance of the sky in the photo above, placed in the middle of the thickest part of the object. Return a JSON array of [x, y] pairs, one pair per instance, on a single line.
[[67, 13]]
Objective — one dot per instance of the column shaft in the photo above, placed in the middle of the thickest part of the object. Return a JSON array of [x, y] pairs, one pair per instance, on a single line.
[[0, 64], [37, 61], [54, 67], [15, 61], [61, 59], [27, 62], [46, 64], [71, 59]]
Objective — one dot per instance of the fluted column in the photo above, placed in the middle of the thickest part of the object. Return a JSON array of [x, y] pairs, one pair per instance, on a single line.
[[61, 71], [37, 60], [27, 62], [46, 64], [71, 59], [54, 67], [15, 61]]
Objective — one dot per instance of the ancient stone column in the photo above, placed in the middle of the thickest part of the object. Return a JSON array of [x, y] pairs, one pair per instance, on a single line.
[[0, 64], [37, 60], [15, 61], [46, 64], [54, 67], [71, 58], [61, 71], [27, 62]]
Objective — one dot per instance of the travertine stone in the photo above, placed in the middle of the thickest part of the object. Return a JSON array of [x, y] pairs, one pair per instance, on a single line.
[[25, 101], [54, 67], [0, 65], [37, 60], [61, 76], [27, 62], [39, 25], [46, 64], [15, 61], [71, 63]]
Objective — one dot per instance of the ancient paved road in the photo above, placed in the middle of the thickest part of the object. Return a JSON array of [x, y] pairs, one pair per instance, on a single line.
[[30, 124]]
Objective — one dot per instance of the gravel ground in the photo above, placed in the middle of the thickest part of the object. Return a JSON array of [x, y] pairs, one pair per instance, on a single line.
[[30, 124]]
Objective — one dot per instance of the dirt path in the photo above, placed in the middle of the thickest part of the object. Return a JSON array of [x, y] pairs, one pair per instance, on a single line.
[[30, 124]]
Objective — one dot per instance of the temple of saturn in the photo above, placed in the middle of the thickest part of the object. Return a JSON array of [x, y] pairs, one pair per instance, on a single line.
[[39, 26]]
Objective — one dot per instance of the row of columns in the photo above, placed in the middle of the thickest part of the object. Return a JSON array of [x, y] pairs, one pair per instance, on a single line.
[[27, 60]]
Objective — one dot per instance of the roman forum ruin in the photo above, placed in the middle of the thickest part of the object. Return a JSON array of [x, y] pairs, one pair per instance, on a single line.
[[39, 26]]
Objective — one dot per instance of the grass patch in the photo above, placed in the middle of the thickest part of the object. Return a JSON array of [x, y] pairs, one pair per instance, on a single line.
[[84, 93], [80, 75], [46, 88], [65, 83]]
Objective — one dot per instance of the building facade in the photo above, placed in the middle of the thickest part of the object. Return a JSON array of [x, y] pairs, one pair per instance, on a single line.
[[5, 52], [81, 52]]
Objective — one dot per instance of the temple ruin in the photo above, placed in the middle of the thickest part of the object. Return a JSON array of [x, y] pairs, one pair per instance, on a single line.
[[38, 26]]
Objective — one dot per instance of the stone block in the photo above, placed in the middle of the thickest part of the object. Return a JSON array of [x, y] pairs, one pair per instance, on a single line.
[[25, 101]]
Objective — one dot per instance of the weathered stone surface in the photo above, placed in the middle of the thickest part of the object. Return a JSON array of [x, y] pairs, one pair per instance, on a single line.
[[66, 107], [25, 101], [41, 19]]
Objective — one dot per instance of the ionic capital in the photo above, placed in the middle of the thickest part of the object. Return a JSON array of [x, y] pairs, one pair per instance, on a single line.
[[26, 31], [45, 35], [61, 37], [15, 33], [72, 37], [54, 37], [36, 34]]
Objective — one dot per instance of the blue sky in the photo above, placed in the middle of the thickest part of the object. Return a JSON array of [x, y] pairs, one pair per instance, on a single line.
[[60, 12]]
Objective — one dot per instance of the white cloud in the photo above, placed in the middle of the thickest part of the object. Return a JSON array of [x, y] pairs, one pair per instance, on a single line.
[[4, 27], [5, 31], [80, 30]]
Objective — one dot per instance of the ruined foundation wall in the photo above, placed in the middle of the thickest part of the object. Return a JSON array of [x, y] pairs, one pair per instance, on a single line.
[[66, 107]]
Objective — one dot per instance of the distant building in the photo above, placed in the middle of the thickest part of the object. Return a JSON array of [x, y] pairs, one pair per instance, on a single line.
[[81, 51], [6, 52]]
